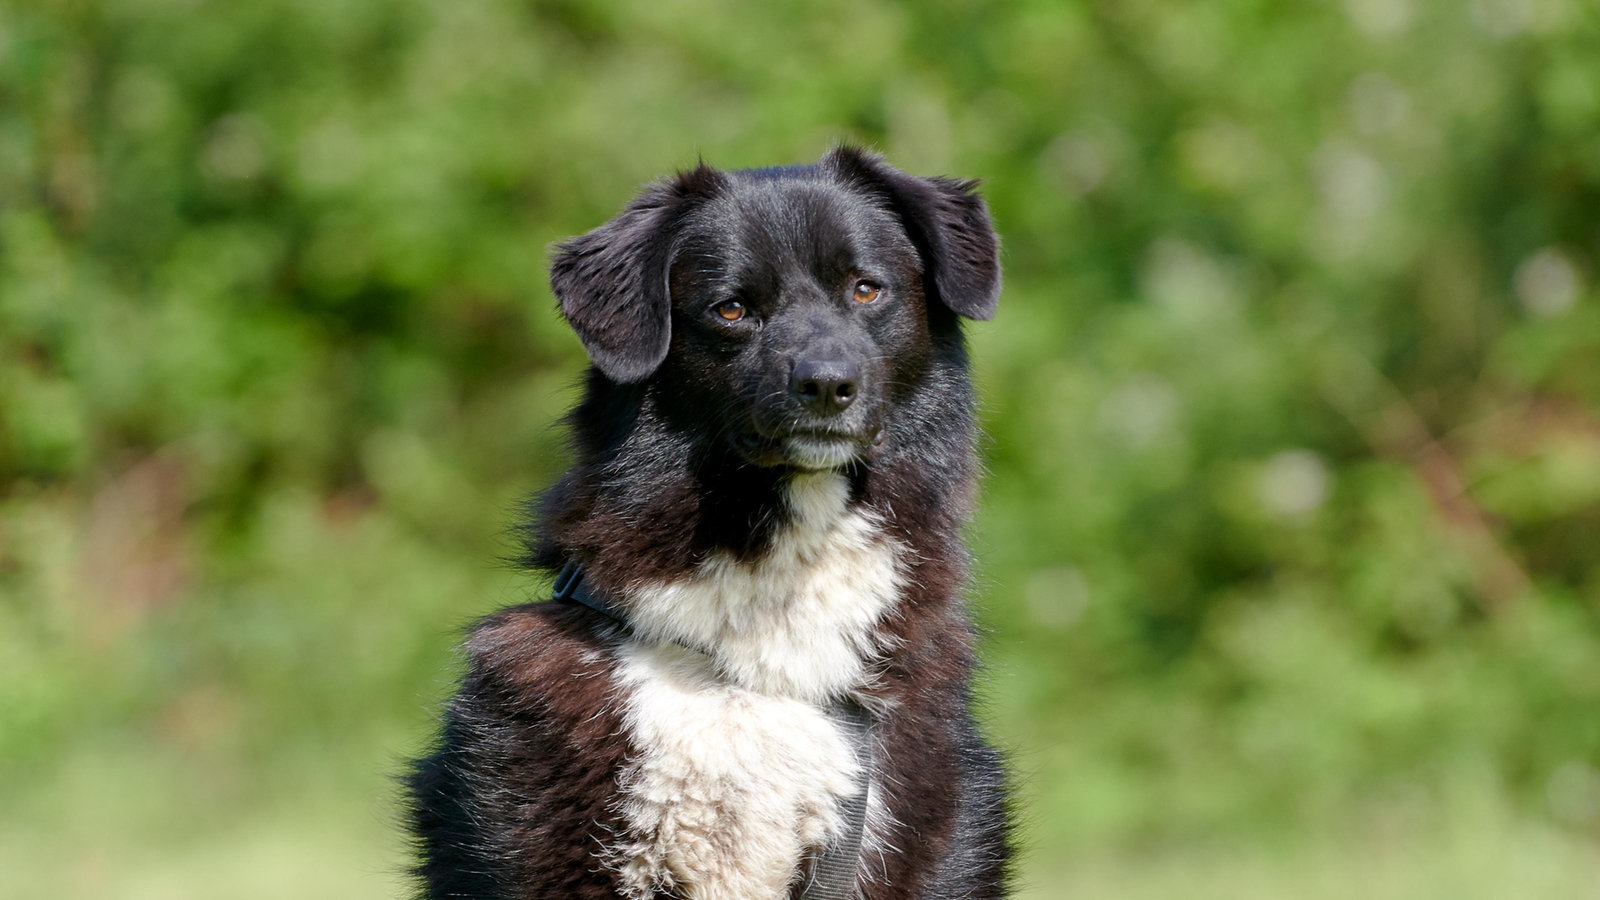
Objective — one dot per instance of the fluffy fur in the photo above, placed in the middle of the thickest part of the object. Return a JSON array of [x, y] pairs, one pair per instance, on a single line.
[[773, 462]]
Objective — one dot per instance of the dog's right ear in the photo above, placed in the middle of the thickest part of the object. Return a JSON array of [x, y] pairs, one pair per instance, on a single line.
[[611, 283]]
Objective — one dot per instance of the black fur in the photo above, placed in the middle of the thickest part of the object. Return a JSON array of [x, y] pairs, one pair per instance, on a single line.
[[684, 440]]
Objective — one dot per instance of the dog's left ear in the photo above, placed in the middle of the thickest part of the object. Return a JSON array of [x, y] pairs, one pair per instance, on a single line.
[[946, 220], [611, 283]]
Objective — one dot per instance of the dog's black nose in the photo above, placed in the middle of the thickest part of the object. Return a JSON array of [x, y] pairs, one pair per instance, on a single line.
[[825, 386]]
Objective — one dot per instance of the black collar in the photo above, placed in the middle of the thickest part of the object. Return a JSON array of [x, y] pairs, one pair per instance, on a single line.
[[571, 588]]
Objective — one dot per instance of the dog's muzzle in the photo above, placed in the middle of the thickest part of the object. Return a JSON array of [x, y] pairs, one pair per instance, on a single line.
[[816, 450], [826, 419]]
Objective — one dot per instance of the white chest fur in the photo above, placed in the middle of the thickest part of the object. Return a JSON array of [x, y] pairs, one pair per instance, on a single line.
[[740, 768], [797, 622], [731, 786]]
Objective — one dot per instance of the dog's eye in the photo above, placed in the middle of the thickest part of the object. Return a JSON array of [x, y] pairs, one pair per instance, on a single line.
[[866, 292], [732, 311]]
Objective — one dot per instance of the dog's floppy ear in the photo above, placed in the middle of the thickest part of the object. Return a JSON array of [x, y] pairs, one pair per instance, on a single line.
[[611, 283], [946, 220]]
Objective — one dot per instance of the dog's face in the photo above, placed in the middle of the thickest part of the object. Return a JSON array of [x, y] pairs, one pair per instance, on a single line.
[[786, 308], [794, 307]]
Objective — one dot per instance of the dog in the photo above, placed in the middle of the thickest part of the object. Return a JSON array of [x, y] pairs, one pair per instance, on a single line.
[[755, 681]]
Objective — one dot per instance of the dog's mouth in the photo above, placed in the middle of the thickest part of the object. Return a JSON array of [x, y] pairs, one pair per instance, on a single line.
[[811, 450]]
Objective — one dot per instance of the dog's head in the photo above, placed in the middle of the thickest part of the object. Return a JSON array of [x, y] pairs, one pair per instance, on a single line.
[[786, 308]]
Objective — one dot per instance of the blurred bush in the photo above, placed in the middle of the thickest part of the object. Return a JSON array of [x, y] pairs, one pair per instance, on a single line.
[[1294, 457]]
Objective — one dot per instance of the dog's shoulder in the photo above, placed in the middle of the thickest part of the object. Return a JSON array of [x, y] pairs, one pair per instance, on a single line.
[[515, 798], [549, 658]]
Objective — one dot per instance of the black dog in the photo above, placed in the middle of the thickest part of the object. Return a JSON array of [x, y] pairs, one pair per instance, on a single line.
[[759, 687]]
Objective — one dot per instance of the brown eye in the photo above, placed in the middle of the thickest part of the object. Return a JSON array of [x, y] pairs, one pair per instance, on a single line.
[[732, 311], [866, 292]]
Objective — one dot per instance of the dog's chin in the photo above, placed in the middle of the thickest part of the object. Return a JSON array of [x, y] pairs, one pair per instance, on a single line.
[[809, 452], [821, 454]]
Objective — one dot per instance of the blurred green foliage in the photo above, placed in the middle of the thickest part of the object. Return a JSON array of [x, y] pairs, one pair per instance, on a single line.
[[1289, 541]]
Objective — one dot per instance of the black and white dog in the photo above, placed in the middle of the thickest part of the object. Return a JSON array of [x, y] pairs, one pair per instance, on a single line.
[[765, 670]]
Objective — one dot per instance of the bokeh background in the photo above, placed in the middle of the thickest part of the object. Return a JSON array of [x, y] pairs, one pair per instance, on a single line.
[[1290, 539]]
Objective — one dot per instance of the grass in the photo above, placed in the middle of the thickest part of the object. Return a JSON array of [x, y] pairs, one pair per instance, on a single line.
[[132, 823], [1495, 860]]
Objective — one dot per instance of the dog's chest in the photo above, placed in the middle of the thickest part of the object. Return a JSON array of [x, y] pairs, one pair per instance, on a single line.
[[740, 768], [730, 786]]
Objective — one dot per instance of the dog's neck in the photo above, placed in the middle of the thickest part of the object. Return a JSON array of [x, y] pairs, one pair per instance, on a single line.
[[787, 579], [800, 618]]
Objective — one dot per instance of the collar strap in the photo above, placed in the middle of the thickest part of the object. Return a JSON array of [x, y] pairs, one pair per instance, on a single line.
[[571, 588]]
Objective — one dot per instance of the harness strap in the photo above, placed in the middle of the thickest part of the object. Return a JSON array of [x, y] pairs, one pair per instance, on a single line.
[[833, 871]]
